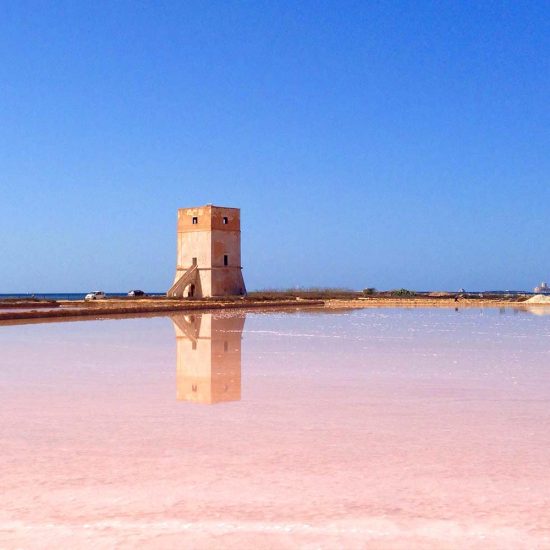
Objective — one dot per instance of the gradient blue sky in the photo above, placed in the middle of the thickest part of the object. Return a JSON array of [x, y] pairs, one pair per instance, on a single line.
[[386, 144]]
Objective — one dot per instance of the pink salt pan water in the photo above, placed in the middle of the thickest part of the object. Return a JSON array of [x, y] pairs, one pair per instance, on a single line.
[[368, 429]]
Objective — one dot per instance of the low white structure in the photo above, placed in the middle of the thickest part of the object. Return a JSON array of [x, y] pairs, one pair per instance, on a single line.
[[542, 289]]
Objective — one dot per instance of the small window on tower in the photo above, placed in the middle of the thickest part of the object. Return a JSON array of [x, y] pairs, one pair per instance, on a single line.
[[225, 259], [224, 220], [195, 220]]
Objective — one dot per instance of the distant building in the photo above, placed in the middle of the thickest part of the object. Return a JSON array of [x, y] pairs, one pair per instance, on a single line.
[[209, 253], [542, 289]]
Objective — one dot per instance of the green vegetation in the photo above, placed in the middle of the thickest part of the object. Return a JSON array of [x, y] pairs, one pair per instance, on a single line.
[[369, 291], [403, 292], [311, 293]]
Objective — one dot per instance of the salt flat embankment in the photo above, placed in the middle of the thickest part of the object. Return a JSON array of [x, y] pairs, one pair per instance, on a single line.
[[13, 310], [100, 308]]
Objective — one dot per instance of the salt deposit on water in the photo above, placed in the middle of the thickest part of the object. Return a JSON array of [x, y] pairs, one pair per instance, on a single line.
[[212, 430], [539, 299]]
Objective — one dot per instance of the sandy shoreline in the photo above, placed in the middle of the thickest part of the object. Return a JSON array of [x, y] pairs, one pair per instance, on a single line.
[[427, 303], [78, 310], [23, 310]]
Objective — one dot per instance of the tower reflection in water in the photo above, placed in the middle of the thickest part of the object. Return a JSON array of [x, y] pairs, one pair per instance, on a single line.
[[208, 360]]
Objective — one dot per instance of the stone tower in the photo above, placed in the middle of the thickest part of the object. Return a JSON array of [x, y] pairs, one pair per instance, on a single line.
[[209, 253], [208, 360]]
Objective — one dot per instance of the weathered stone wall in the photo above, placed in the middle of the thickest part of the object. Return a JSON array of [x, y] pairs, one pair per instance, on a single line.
[[209, 234]]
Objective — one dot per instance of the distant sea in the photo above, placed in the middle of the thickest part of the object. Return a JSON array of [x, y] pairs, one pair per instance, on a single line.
[[70, 295]]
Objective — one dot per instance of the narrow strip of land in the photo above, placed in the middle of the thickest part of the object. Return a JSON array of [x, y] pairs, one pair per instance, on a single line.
[[427, 302], [102, 308], [29, 309]]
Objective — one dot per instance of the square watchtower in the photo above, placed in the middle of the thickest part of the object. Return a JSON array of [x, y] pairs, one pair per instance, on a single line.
[[209, 253]]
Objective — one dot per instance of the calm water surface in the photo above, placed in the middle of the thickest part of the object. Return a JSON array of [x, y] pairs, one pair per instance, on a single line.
[[375, 428]]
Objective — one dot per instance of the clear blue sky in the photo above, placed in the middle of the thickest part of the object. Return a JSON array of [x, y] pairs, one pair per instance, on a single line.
[[386, 144]]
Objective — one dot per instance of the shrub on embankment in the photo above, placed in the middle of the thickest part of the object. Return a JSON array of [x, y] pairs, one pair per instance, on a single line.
[[313, 293]]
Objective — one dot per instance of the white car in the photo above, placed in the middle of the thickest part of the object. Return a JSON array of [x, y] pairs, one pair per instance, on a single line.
[[95, 295]]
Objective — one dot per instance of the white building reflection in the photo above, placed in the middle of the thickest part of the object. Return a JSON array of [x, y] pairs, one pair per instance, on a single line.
[[208, 357]]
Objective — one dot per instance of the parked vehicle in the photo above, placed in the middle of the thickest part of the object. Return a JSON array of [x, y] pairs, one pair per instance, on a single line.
[[95, 295], [135, 293]]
